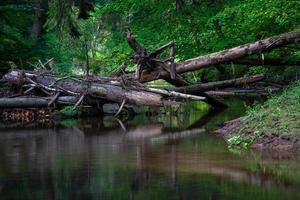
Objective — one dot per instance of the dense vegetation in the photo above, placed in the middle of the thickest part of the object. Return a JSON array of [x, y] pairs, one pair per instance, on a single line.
[[68, 30], [275, 121]]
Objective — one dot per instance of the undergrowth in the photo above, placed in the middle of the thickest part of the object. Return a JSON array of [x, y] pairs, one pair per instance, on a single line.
[[278, 116]]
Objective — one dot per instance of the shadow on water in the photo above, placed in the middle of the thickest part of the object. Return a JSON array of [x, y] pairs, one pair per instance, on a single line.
[[148, 157]]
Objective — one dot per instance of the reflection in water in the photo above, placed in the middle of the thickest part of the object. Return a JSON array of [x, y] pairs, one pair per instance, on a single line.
[[157, 159]]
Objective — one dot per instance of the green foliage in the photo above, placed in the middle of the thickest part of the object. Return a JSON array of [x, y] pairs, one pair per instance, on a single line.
[[14, 32], [195, 33], [238, 141], [198, 29], [62, 17], [69, 111]]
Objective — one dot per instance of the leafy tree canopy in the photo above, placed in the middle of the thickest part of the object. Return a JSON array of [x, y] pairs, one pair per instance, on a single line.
[[198, 27]]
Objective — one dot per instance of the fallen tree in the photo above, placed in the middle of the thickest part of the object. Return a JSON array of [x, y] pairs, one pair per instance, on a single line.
[[35, 102], [42, 89], [88, 91], [150, 68], [225, 56], [203, 87], [242, 92], [277, 62]]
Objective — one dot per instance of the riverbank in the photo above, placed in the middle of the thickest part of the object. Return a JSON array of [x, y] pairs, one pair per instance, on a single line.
[[273, 125]]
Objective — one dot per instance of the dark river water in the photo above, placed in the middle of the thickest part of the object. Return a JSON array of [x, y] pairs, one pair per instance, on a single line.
[[166, 156]]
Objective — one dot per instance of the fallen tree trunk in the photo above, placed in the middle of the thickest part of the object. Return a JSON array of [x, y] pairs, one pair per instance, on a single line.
[[149, 68], [246, 92], [34, 102], [101, 90], [266, 62], [224, 56], [126, 89], [200, 88], [148, 60]]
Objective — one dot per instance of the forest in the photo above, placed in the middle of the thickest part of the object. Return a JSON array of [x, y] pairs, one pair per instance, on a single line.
[[76, 32], [193, 44], [149, 99]]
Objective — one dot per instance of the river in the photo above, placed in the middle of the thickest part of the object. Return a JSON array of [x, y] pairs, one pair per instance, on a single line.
[[151, 156]]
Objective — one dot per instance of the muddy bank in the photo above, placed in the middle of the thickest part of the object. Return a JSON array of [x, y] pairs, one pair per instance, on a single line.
[[263, 142]]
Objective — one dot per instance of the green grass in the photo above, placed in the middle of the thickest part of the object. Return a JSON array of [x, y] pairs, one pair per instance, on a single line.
[[279, 115]]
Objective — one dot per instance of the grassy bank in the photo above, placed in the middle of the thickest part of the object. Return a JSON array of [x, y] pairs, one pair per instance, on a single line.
[[274, 124]]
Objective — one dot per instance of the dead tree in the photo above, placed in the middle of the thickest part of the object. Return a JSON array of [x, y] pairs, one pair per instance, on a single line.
[[149, 61], [199, 88], [224, 56], [44, 89], [91, 89], [277, 62]]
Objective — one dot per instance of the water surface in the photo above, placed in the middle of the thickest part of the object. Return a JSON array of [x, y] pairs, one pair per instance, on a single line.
[[165, 156]]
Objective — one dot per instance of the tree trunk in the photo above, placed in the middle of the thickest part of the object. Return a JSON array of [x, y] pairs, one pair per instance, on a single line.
[[145, 60], [199, 88], [179, 4], [224, 56], [86, 55], [34, 102], [101, 89], [266, 62], [244, 92], [40, 19]]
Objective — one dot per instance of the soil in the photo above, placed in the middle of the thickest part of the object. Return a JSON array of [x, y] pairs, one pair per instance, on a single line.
[[280, 143]]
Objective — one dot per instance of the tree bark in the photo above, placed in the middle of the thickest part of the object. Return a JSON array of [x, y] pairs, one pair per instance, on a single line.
[[179, 4], [266, 62], [86, 55], [245, 92], [225, 56], [34, 102], [40, 19], [199, 88]]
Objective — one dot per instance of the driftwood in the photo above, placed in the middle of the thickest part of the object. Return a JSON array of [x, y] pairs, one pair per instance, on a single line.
[[92, 89]]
